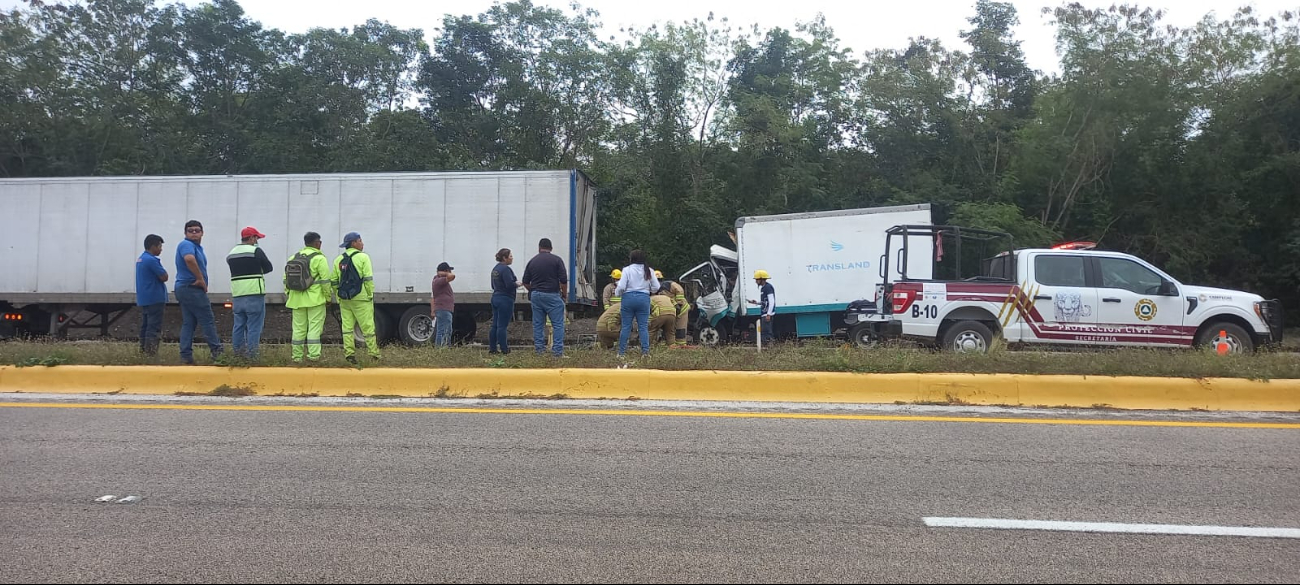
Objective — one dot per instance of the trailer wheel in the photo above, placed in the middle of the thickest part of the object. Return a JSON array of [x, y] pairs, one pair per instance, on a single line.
[[416, 326], [463, 327], [383, 325], [864, 336]]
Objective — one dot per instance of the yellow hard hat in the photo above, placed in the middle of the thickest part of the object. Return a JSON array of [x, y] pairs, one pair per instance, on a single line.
[[761, 274], [616, 274], [659, 274]]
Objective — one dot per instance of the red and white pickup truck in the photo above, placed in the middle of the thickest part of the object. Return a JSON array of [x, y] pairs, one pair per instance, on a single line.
[[1079, 297]]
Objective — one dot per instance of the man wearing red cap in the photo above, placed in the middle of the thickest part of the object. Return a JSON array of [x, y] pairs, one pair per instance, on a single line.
[[248, 265]]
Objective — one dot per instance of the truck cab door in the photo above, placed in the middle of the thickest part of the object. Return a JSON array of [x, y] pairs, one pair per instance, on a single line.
[[708, 285], [1062, 305], [1139, 305]]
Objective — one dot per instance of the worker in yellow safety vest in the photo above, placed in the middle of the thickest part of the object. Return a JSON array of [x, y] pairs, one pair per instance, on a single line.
[[682, 309], [307, 284]]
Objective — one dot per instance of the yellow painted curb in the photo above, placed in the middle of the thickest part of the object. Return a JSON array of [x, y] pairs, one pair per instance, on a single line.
[[822, 387]]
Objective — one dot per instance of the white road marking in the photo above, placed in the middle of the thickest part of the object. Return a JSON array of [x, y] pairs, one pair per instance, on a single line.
[[1179, 529]]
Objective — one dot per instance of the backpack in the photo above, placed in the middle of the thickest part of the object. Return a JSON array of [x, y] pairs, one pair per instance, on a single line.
[[297, 272], [349, 277]]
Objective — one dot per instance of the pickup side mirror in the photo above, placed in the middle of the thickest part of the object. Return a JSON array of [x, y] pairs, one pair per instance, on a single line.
[[1168, 289]]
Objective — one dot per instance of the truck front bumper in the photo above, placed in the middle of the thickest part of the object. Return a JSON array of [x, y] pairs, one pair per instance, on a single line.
[[1272, 314]]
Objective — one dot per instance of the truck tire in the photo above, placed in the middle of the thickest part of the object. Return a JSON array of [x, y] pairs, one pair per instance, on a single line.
[[383, 325], [863, 335], [383, 328], [967, 336], [1239, 341], [709, 336], [416, 326], [463, 327]]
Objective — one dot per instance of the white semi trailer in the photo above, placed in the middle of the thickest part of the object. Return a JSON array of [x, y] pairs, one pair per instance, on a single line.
[[70, 243]]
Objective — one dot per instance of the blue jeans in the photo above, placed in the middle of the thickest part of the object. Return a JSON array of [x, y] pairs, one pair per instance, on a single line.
[[503, 310], [442, 331], [250, 316], [196, 311], [635, 305], [151, 317], [769, 329], [548, 304]]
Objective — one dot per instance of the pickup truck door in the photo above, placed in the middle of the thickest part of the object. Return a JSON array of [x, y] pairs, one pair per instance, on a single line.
[[1133, 308], [1063, 305]]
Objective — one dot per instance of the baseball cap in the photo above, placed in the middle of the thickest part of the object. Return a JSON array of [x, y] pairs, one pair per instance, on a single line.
[[251, 231], [444, 267], [348, 239]]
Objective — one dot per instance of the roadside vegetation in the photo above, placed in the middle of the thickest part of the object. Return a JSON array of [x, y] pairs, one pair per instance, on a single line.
[[821, 356]]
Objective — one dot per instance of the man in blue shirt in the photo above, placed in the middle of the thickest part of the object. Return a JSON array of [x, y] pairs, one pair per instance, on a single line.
[[150, 293], [192, 294]]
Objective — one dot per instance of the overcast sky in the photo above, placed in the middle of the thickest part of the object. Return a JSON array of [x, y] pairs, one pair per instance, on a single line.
[[860, 25]]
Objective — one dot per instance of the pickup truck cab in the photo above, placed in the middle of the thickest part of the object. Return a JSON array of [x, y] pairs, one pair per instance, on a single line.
[[1074, 295]]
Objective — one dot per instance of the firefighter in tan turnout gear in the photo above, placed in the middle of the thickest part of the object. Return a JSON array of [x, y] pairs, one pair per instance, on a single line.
[[608, 326], [681, 309], [608, 298], [662, 316]]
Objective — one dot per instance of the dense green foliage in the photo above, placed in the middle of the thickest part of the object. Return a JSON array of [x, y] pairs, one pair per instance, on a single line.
[[1180, 145]]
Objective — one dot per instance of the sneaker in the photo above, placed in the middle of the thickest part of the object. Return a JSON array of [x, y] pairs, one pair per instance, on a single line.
[[493, 352], [374, 358], [351, 359]]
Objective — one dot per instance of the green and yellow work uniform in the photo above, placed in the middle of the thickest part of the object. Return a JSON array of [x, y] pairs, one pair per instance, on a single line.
[[662, 316], [683, 310], [609, 325], [309, 306], [358, 310]]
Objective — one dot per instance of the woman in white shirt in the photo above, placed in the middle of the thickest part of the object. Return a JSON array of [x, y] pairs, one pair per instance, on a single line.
[[635, 287]]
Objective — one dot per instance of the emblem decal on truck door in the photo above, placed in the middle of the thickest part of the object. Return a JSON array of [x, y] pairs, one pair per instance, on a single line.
[[1145, 309], [1069, 307]]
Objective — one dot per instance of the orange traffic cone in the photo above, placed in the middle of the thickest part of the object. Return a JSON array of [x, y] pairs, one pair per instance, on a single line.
[[1222, 345]]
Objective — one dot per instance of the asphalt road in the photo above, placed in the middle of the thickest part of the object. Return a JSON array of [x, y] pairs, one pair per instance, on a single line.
[[293, 495]]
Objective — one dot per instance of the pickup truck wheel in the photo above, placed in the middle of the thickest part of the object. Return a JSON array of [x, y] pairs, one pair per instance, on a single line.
[[863, 335], [968, 336], [1237, 339]]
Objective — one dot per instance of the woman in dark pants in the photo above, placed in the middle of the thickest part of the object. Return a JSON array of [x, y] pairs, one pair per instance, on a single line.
[[504, 285]]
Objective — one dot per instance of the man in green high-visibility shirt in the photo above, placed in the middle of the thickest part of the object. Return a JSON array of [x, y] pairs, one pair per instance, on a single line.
[[307, 284], [354, 281]]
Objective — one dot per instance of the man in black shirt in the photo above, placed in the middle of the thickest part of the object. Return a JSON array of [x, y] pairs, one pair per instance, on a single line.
[[548, 289]]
